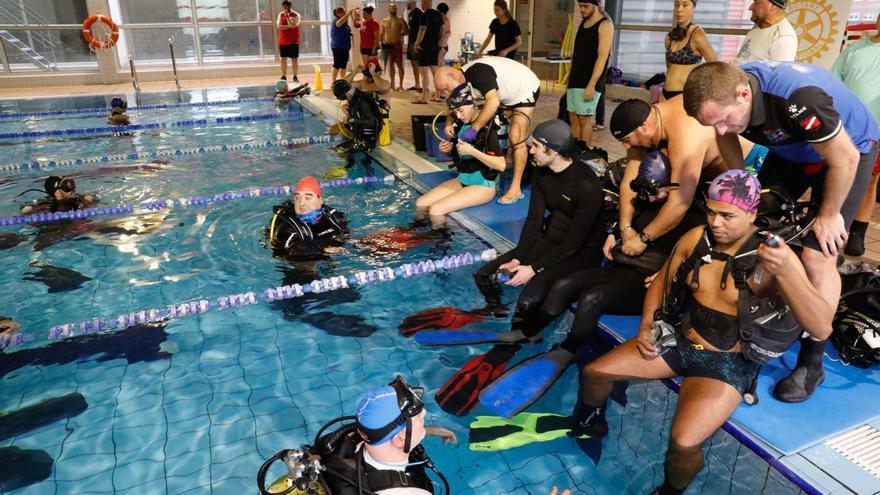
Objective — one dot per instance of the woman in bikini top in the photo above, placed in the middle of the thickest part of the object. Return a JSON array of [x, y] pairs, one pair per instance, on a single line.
[[686, 46]]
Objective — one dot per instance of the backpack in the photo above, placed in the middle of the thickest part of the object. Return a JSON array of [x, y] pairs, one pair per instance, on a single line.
[[856, 328]]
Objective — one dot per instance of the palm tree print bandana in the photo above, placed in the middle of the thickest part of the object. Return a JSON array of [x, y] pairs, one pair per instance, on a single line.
[[736, 188]]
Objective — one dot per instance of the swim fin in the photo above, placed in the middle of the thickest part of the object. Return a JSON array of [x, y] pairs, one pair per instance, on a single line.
[[493, 433], [474, 336], [438, 318], [526, 382], [460, 394]]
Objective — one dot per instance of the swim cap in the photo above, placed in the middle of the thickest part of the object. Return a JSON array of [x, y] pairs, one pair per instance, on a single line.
[[378, 409], [555, 135], [460, 96], [340, 88], [736, 188], [118, 102], [281, 86], [51, 184], [628, 116], [308, 184], [655, 167]]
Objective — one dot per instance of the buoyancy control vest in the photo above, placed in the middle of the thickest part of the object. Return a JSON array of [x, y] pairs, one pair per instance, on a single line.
[[344, 463], [765, 325]]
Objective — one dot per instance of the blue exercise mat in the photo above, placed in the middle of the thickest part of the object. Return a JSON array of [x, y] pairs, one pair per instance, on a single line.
[[506, 220], [848, 398]]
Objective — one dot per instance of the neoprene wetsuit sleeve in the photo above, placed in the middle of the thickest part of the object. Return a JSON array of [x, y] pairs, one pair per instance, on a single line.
[[532, 227], [586, 219]]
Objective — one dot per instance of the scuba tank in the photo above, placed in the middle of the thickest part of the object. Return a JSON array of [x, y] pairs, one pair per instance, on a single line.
[[385, 133]]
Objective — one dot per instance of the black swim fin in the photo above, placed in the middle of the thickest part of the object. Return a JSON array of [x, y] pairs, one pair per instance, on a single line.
[[462, 392]]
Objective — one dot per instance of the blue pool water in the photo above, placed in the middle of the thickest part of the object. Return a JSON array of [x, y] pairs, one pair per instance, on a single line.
[[197, 404]]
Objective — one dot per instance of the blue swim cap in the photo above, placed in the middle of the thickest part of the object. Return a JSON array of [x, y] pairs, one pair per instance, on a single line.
[[378, 409], [118, 102], [281, 86], [655, 167]]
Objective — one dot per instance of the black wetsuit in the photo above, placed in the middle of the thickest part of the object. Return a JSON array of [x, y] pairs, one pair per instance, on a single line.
[[568, 239], [617, 288], [291, 237], [487, 142]]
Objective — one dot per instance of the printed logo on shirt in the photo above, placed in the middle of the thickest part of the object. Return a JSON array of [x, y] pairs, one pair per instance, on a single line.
[[794, 111], [811, 122], [775, 135], [566, 197]]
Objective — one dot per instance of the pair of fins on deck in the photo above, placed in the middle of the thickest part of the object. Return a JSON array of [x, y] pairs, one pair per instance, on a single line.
[[484, 379]]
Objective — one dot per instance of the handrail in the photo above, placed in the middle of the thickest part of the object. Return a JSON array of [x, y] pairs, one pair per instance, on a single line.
[[173, 62], [10, 17], [33, 14], [134, 77]]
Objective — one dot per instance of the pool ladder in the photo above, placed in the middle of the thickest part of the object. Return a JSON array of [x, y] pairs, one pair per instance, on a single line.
[[134, 76]]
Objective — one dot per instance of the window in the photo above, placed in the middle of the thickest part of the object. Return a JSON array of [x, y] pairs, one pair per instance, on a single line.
[[53, 48]]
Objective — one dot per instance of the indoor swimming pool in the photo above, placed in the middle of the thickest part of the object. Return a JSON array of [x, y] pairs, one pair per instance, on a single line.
[[195, 404]]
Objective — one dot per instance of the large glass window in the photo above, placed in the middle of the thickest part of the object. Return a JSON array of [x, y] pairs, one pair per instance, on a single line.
[[32, 12], [151, 45], [57, 47], [233, 10]]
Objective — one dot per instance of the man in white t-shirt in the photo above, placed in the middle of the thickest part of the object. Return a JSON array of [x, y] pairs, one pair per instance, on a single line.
[[772, 39], [503, 83]]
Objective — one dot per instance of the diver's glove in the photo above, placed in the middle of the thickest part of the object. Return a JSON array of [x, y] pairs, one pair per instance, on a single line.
[[469, 135]]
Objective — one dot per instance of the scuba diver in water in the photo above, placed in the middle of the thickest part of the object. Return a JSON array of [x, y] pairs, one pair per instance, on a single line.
[[364, 116], [380, 452], [283, 92], [117, 116], [305, 227], [61, 195], [477, 156]]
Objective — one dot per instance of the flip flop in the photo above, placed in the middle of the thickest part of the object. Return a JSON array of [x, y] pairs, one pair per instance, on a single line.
[[509, 200]]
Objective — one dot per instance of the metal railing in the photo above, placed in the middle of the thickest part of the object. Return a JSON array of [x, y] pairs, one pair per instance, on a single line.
[[36, 43], [173, 62], [134, 74]]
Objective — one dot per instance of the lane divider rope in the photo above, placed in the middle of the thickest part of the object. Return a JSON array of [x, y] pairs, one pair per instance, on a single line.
[[202, 306], [76, 111], [46, 163], [160, 204], [292, 115]]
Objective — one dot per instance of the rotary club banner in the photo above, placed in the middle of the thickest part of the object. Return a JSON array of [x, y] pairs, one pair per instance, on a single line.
[[820, 27]]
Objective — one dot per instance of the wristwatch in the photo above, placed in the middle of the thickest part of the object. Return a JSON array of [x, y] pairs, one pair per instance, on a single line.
[[645, 238], [625, 228]]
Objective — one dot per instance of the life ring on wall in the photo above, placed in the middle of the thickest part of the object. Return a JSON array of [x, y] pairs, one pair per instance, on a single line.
[[90, 39]]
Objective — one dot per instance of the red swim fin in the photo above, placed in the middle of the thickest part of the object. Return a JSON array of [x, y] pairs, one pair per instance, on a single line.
[[446, 318], [462, 392]]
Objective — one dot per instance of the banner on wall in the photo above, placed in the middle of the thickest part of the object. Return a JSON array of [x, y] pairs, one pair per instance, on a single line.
[[820, 27]]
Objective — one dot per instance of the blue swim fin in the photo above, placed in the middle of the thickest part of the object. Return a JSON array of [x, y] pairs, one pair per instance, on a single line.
[[526, 382], [466, 336]]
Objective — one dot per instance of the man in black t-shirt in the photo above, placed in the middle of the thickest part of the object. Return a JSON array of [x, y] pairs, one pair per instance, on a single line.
[[427, 46], [413, 20]]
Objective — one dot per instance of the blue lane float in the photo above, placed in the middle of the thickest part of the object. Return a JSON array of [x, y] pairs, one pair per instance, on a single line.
[[202, 306], [49, 164], [77, 111], [111, 129], [161, 204]]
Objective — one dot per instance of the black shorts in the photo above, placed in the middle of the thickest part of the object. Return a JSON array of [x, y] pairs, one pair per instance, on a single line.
[[428, 56], [340, 57], [731, 368], [791, 178], [289, 51], [527, 103], [366, 51]]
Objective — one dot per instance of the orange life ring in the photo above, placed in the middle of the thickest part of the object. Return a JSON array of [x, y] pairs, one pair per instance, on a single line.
[[87, 31]]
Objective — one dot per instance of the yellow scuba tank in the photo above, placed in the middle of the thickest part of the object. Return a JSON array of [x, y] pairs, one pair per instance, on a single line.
[[385, 133], [283, 483]]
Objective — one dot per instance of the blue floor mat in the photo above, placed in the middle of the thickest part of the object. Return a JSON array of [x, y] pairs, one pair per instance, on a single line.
[[506, 220], [848, 398]]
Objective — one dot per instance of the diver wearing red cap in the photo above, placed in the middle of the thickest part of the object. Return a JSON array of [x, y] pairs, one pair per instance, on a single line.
[[305, 226]]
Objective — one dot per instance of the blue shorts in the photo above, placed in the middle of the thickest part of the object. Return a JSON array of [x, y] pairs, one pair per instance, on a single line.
[[574, 99], [475, 179]]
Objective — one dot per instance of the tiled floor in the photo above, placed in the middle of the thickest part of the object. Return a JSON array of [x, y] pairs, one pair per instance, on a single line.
[[402, 110]]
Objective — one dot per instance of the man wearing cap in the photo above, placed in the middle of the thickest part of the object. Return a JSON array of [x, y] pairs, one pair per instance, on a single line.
[[61, 195], [563, 230], [820, 136], [718, 366], [385, 450], [772, 39], [693, 155], [305, 228], [501, 82]]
